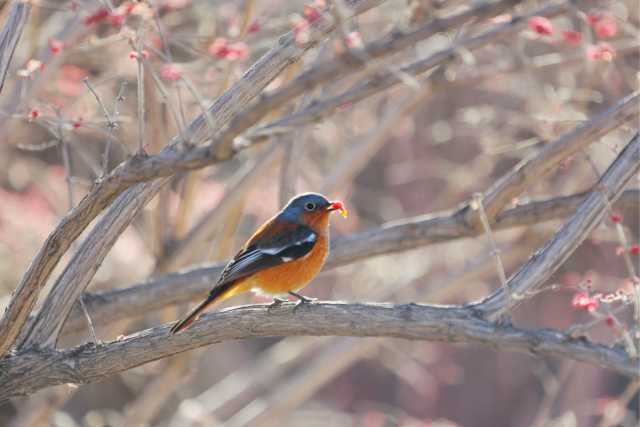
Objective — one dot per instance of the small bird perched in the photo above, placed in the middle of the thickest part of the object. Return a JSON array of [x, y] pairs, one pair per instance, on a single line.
[[281, 257]]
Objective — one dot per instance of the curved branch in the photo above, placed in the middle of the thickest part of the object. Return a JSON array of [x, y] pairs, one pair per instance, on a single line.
[[186, 286], [23, 373]]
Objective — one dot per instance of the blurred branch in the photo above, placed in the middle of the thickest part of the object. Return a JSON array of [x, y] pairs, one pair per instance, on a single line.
[[105, 191], [181, 252], [388, 45], [395, 237], [549, 157], [577, 228], [385, 80], [10, 35], [22, 374]]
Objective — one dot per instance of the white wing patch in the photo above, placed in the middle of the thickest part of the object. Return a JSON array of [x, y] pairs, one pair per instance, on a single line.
[[275, 250]]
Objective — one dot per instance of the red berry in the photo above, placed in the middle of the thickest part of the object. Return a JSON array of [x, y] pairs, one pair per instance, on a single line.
[[634, 250], [616, 218]]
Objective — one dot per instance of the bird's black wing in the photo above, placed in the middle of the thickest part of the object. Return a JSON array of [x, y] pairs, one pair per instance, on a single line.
[[269, 252]]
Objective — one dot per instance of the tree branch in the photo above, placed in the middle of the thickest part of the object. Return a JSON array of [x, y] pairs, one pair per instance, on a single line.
[[23, 373], [10, 35], [106, 190], [557, 250], [318, 110], [546, 160], [184, 287]]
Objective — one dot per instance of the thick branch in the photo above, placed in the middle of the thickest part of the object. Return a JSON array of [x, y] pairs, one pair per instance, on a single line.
[[27, 372], [190, 285], [557, 250]]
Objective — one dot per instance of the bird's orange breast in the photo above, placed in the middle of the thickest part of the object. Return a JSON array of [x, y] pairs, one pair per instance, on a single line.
[[293, 275]]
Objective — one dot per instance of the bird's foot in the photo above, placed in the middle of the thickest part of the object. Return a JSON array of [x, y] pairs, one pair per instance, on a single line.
[[302, 300], [277, 302]]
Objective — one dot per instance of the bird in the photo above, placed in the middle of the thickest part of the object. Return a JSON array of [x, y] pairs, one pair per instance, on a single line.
[[283, 256]]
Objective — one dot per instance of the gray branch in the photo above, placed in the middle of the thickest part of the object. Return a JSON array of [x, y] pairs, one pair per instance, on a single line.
[[26, 373], [186, 286], [572, 233], [105, 191], [10, 35]]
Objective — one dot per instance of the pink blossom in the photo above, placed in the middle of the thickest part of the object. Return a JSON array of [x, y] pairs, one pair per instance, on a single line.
[[582, 301], [601, 52], [170, 73], [541, 25], [572, 37]]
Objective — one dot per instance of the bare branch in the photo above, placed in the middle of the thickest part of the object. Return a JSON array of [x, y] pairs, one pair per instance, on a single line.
[[10, 35], [541, 163], [22, 373], [383, 81], [106, 190], [556, 251], [189, 285], [388, 45]]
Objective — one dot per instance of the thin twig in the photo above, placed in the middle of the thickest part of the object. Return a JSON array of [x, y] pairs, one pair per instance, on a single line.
[[476, 204], [111, 121], [141, 110]]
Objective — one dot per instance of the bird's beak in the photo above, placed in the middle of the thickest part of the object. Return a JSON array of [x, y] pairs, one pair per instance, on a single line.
[[338, 206]]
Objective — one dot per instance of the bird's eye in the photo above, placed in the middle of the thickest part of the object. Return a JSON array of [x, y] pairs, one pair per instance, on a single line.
[[310, 206]]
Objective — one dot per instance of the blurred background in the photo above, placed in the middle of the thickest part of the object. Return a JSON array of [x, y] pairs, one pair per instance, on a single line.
[[423, 146]]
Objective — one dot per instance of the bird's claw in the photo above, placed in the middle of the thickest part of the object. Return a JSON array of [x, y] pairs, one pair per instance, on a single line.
[[277, 302], [302, 300]]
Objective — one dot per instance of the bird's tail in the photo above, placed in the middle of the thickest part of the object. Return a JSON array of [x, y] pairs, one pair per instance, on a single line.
[[214, 296]]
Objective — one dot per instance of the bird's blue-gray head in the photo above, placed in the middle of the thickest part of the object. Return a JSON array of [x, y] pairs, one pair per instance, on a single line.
[[309, 205]]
